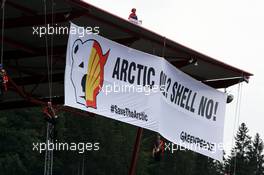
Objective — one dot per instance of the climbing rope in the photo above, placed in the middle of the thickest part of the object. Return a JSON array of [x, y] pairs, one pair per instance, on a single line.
[[2, 33], [51, 51], [164, 47], [47, 49], [2, 29], [4, 79], [48, 166], [238, 109], [50, 88], [47, 154], [236, 124]]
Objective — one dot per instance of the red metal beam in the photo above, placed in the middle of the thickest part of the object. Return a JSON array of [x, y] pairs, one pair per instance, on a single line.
[[224, 83], [5, 105], [126, 41], [21, 7], [58, 51], [16, 69], [43, 102], [56, 101], [23, 94], [28, 80], [17, 45], [38, 20], [181, 63], [133, 164], [27, 51]]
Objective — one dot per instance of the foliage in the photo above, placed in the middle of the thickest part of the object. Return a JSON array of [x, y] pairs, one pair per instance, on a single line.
[[19, 129]]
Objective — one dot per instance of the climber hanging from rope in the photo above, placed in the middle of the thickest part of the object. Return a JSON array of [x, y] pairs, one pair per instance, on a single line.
[[51, 117], [3, 80], [50, 113], [158, 150], [3, 74], [1, 85]]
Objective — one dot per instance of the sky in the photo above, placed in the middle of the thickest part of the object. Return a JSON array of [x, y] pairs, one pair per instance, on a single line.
[[231, 31]]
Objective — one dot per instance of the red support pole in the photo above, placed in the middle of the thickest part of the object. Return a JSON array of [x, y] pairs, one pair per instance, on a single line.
[[133, 165], [44, 103]]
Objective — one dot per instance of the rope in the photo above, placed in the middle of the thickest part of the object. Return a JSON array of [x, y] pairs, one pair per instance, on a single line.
[[51, 50], [46, 152], [47, 49], [2, 33], [51, 151], [238, 110], [50, 81], [236, 123], [164, 46], [48, 169], [46, 165]]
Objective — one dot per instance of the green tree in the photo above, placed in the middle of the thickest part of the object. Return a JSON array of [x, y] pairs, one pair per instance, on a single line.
[[20, 128], [207, 166], [256, 157], [238, 162]]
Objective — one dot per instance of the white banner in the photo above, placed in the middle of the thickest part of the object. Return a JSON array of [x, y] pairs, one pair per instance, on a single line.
[[144, 90]]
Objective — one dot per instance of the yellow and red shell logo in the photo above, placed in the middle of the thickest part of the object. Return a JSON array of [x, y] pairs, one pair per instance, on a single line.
[[87, 75], [95, 72]]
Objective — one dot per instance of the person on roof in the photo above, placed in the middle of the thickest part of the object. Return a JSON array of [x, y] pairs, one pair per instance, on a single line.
[[133, 14]]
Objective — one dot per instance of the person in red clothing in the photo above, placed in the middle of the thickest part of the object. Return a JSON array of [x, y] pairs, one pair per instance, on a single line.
[[158, 149], [51, 117], [3, 80], [133, 14]]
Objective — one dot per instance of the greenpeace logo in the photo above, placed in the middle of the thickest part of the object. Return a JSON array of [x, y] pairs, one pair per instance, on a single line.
[[199, 142], [190, 142]]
